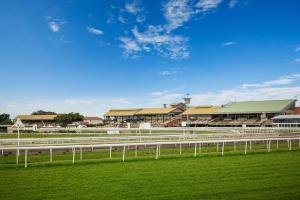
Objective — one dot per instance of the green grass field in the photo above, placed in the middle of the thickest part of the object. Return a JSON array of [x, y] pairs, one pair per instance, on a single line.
[[274, 175], [91, 133]]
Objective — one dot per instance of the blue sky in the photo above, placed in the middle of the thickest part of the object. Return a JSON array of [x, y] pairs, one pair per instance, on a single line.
[[90, 56]]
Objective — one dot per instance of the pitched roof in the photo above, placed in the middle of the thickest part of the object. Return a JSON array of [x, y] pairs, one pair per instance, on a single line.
[[36, 117], [269, 106], [122, 112], [201, 110], [155, 111]]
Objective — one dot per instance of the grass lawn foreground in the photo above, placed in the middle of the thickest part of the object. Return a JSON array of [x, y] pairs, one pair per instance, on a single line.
[[255, 176]]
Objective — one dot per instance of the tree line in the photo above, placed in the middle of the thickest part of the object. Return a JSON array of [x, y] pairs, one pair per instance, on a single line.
[[62, 119]]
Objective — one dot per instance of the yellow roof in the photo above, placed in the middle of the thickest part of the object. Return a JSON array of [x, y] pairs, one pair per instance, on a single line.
[[201, 110], [155, 111], [122, 112], [36, 117]]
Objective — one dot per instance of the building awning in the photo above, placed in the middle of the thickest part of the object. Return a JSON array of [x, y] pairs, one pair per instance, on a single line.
[[121, 112], [36, 117], [201, 110], [157, 111]]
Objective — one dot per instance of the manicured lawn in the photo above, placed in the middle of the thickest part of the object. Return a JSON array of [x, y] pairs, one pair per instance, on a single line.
[[255, 176]]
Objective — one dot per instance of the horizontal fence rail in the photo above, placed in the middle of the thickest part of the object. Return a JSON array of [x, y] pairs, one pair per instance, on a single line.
[[196, 143]]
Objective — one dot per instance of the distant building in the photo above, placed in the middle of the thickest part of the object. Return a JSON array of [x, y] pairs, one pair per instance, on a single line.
[[252, 113], [40, 120], [234, 114], [156, 116], [286, 121], [92, 120]]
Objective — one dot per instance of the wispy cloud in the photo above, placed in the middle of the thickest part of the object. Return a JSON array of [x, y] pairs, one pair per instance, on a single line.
[[160, 38], [229, 43], [130, 46], [55, 24], [284, 80], [232, 3], [297, 49], [297, 60], [205, 6], [177, 12], [95, 31], [167, 72], [85, 106], [122, 19], [154, 38], [133, 7], [280, 88], [225, 96], [162, 97]]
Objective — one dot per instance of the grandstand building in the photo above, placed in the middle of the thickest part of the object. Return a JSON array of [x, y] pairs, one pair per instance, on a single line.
[[251, 113], [156, 116], [199, 115], [39, 120], [234, 114]]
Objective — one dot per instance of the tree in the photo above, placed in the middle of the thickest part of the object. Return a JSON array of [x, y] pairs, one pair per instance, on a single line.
[[5, 119], [42, 112], [65, 119]]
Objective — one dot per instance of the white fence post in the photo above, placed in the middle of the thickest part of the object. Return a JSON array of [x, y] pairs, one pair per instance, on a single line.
[[80, 153], [156, 152], [26, 151], [180, 148], [50, 154], [73, 149], [124, 153], [17, 156], [195, 152], [110, 148], [223, 149], [135, 153], [245, 147]]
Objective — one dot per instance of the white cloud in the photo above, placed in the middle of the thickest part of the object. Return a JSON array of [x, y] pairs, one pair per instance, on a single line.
[[205, 6], [133, 7], [225, 96], [297, 60], [159, 38], [267, 90], [160, 98], [154, 38], [284, 80], [140, 18], [129, 45], [87, 106], [55, 24], [232, 3], [176, 13], [95, 31], [297, 49], [122, 19], [229, 43], [167, 72]]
